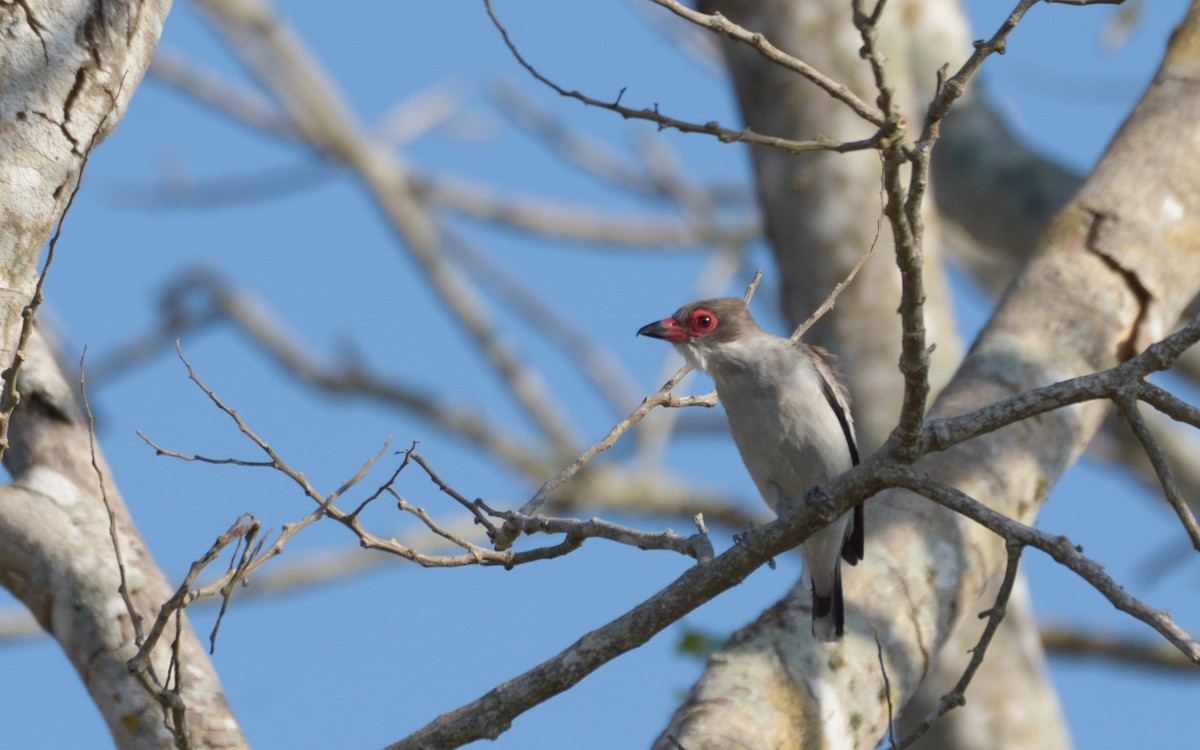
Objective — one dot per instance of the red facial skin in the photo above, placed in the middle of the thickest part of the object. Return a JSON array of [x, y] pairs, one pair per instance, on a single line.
[[699, 323]]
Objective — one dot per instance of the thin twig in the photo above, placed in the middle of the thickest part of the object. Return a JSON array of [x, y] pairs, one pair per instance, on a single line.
[[10, 397], [831, 300], [1127, 404], [958, 694], [1058, 547], [713, 128], [721, 25], [135, 617], [140, 662], [661, 397], [575, 531], [887, 690]]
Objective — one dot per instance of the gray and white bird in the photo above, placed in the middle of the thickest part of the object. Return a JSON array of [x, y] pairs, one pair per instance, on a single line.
[[791, 421]]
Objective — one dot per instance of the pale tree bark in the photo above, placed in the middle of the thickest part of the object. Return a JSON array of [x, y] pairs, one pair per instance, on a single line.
[[67, 71], [818, 211], [1114, 272], [992, 716], [822, 210], [995, 195]]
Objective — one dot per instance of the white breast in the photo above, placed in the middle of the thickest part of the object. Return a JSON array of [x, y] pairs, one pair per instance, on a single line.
[[788, 434]]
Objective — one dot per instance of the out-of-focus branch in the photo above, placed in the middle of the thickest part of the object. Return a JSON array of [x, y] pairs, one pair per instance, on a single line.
[[575, 531], [279, 60], [545, 217], [995, 189], [608, 165], [1136, 653], [202, 299], [595, 363], [242, 104], [587, 154], [693, 42]]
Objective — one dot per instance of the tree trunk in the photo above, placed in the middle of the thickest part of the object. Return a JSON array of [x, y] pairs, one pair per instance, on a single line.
[[67, 71], [1117, 267]]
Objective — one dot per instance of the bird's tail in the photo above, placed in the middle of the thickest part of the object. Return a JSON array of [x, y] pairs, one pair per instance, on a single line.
[[829, 613]]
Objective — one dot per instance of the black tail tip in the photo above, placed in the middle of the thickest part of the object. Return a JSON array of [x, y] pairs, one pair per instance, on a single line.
[[829, 616]]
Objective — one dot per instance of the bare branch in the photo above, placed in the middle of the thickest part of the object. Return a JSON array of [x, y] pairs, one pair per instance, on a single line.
[[1059, 548], [135, 618], [576, 531], [10, 398], [242, 104], [950, 89], [1127, 403], [713, 128], [720, 25], [492, 713], [831, 300], [661, 397], [658, 398], [1136, 653], [697, 546], [940, 433], [243, 528], [958, 696]]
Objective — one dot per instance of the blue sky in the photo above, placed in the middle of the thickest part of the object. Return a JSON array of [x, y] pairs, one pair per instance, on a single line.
[[366, 661]]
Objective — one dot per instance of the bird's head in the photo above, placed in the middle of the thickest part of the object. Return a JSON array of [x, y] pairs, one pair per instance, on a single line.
[[702, 329]]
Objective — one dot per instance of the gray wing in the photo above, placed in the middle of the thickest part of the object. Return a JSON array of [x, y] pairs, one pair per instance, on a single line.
[[839, 400]]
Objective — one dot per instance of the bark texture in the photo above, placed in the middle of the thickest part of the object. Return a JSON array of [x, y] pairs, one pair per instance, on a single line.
[[820, 209], [67, 71], [57, 557], [1113, 272]]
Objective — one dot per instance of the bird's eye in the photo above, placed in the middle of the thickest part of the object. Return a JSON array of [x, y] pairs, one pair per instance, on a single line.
[[704, 321]]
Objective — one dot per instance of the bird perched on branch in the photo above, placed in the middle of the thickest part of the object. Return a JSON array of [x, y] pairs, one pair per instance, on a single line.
[[791, 421]]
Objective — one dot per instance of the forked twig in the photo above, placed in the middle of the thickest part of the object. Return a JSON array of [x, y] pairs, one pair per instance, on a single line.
[[661, 397], [725, 135], [958, 694]]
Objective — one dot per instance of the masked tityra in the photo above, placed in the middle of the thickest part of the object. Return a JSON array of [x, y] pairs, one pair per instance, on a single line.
[[791, 422]]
